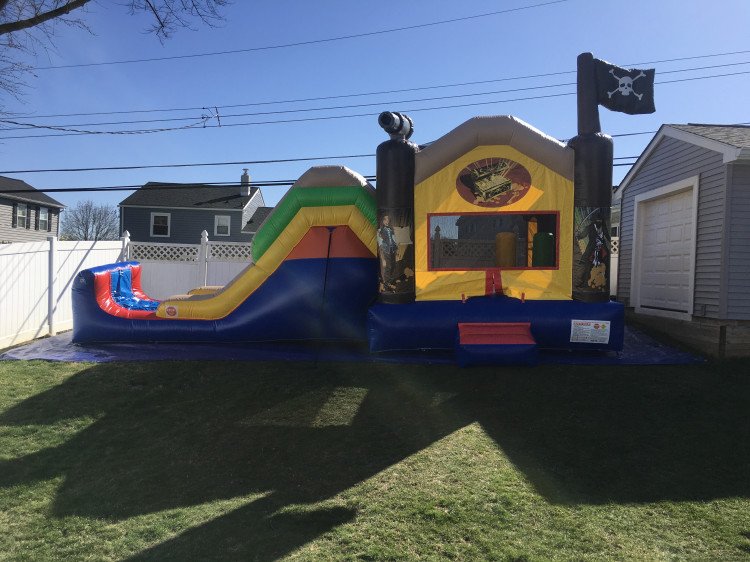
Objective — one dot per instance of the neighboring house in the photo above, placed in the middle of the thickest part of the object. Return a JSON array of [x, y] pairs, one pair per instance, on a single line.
[[26, 215], [260, 215], [684, 233], [614, 233], [178, 213]]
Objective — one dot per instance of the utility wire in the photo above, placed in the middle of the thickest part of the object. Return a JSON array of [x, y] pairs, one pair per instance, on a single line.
[[332, 117], [288, 111], [414, 89], [175, 187], [204, 119], [159, 186], [67, 129], [205, 164], [235, 163], [308, 42]]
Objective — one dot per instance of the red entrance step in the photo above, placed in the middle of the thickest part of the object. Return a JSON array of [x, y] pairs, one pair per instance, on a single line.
[[488, 343]]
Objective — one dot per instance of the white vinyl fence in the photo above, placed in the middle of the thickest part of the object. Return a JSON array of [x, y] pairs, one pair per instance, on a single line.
[[35, 281], [36, 277], [174, 269]]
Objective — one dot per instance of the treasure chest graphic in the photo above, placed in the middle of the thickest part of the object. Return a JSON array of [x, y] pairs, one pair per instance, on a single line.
[[494, 182]]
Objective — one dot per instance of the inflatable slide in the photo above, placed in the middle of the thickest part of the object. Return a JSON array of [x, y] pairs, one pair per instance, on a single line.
[[313, 276]]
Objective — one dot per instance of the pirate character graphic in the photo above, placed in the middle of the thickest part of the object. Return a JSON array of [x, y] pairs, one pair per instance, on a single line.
[[388, 247], [596, 253]]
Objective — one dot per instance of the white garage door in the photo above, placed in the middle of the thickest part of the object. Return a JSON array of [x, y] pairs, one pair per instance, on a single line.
[[666, 253]]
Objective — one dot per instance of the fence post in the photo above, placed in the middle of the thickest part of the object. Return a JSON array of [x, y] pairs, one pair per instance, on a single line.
[[52, 271], [437, 250], [125, 253], [203, 260]]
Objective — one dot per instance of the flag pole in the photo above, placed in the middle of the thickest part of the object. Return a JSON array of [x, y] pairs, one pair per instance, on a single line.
[[588, 102], [592, 191]]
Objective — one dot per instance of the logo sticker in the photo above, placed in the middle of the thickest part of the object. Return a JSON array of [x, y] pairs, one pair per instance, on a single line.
[[589, 331], [171, 311]]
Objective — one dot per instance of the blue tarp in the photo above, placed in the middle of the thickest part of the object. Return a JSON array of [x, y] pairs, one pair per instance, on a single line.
[[638, 349]]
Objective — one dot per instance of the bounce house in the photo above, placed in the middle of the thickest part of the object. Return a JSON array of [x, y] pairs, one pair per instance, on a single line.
[[488, 245]]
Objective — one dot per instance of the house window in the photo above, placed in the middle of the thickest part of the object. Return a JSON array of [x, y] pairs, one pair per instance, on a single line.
[[160, 224], [510, 240], [22, 215], [221, 225], [43, 218]]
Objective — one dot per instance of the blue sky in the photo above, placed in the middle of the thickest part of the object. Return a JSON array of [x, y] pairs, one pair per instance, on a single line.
[[539, 40]]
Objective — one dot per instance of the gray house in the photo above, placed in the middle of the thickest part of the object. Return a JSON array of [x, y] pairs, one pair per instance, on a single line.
[[684, 250], [256, 220], [178, 213], [26, 215]]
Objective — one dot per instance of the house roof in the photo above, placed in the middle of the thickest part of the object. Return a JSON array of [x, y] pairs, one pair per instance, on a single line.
[[731, 141], [737, 136], [260, 215], [188, 195], [24, 192]]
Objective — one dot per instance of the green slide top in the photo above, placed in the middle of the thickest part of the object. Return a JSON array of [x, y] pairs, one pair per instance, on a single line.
[[298, 197]]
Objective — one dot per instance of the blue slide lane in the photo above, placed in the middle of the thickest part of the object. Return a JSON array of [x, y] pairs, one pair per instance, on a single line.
[[305, 299]]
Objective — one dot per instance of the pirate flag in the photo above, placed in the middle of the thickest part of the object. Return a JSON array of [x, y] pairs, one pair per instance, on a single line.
[[627, 90]]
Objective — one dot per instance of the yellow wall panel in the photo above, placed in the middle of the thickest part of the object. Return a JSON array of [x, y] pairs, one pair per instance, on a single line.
[[549, 191]]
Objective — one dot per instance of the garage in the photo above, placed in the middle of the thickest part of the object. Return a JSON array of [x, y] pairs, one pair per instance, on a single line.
[[665, 252], [684, 245]]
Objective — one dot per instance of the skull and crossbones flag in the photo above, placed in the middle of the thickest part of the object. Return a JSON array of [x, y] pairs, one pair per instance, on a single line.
[[627, 90]]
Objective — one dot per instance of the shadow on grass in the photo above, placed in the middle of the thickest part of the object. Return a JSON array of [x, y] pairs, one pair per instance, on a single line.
[[170, 435]]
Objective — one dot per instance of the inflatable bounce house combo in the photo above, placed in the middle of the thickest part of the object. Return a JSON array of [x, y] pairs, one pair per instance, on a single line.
[[489, 244]]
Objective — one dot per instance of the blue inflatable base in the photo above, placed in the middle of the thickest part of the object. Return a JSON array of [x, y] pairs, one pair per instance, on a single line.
[[432, 325]]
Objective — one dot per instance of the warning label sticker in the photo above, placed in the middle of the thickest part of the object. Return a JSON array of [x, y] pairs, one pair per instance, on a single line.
[[589, 331]]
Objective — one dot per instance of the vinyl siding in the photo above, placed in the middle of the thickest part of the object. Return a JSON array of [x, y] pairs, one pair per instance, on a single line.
[[255, 202], [671, 161], [22, 234], [738, 255], [185, 227]]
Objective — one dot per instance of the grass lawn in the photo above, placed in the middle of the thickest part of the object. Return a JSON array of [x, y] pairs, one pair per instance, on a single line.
[[260, 461]]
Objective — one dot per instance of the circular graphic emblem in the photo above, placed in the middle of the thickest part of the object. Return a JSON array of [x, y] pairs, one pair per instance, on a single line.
[[493, 182], [171, 311]]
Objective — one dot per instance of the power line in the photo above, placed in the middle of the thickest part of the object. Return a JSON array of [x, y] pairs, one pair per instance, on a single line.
[[235, 163], [206, 164], [303, 119], [287, 111], [204, 119], [381, 92], [68, 129], [159, 187], [332, 117], [308, 42], [177, 187]]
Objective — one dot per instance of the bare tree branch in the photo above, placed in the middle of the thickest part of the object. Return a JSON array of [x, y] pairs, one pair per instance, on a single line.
[[162, 25], [41, 18], [28, 26]]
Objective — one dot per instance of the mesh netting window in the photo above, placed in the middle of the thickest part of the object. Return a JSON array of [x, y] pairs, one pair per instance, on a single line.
[[483, 241]]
